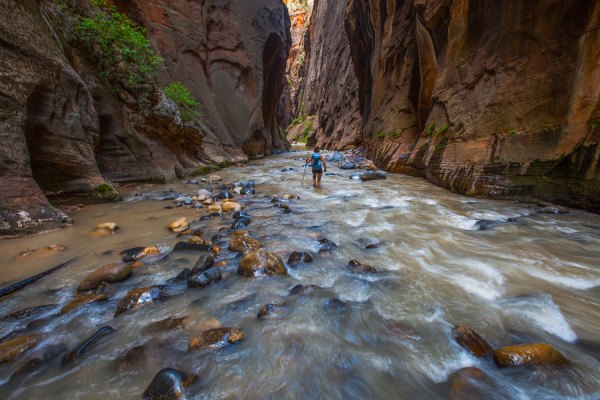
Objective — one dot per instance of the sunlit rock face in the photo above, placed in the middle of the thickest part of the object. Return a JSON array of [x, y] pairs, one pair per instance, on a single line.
[[486, 99]]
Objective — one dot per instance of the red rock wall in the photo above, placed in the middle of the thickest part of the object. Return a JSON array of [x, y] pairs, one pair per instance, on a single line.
[[492, 98], [329, 88], [64, 130], [232, 55]]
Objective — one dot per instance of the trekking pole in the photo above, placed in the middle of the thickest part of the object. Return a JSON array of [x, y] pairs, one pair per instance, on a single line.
[[304, 173]]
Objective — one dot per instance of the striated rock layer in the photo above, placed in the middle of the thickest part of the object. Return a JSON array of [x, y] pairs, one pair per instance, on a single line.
[[484, 98], [328, 86], [65, 129]]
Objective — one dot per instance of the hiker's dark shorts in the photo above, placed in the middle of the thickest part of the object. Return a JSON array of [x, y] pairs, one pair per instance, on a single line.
[[317, 171]]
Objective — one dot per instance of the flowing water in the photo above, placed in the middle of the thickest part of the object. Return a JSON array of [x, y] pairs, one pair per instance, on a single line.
[[533, 279]]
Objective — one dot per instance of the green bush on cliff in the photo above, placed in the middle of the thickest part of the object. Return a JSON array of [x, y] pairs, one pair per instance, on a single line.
[[185, 100], [306, 132], [120, 47]]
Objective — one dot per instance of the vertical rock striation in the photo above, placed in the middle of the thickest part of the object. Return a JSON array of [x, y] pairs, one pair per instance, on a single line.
[[484, 98], [329, 88]]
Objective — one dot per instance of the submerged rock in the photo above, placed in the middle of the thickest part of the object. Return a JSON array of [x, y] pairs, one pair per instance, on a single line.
[[335, 306], [216, 338], [169, 384], [359, 267], [139, 297], [472, 341], [82, 299], [327, 246], [44, 251], [299, 257], [224, 194], [111, 273], [12, 349], [271, 311], [474, 384], [372, 175], [28, 312], [552, 209], [348, 165], [43, 356], [241, 242], [204, 279], [259, 262], [240, 223], [185, 246], [88, 344], [528, 354], [301, 289], [167, 324]]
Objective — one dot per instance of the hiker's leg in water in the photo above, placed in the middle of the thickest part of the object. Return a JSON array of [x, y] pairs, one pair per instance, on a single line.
[[319, 180], [314, 179]]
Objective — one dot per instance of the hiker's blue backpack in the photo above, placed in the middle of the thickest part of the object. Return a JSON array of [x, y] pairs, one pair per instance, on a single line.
[[316, 161]]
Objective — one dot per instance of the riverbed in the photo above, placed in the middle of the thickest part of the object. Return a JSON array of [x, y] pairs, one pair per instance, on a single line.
[[520, 276]]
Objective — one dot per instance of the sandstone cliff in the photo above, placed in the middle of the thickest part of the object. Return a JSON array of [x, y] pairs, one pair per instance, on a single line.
[[486, 98], [329, 88], [65, 129]]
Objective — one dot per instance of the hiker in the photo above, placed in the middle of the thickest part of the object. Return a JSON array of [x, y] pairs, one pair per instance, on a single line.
[[317, 162]]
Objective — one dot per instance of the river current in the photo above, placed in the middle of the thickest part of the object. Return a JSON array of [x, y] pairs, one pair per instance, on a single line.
[[529, 277]]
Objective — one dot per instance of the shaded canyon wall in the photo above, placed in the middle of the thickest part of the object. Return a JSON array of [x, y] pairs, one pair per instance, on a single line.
[[65, 130], [491, 98]]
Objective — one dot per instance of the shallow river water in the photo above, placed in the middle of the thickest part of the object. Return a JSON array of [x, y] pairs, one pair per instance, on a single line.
[[533, 279]]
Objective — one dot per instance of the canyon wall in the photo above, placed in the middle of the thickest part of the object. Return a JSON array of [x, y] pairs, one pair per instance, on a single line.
[[328, 87], [66, 129], [491, 98]]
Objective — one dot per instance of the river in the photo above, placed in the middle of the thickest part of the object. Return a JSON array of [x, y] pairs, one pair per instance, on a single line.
[[530, 277]]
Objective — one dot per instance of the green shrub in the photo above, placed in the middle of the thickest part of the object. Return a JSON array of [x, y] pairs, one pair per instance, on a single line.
[[393, 134], [185, 100], [306, 132], [442, 131], [381, 134], [298, 119], [430, 129], [205, 169], [121, 49]]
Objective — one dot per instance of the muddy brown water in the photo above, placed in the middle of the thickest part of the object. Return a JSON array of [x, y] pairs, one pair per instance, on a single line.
[[535, 279]]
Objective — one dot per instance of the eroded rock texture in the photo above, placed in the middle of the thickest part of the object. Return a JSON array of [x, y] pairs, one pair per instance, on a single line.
[[491, 98], [232, 55], [329, 88], [65, 130]]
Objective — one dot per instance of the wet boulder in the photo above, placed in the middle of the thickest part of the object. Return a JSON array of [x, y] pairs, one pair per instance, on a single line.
[[204, 279], [327, 246], [284, 206], [244, 184], [552, 209], [203, 195], [231, 206], [247, 190], [298, 257], [240, 223], [169, 384], [472, 341], [241, 242], [179, 225], [216, 338], [224, 194], [137, 253], [28, 313], [272, 311], [360, 268], [260, 262], [111, 273], [240, 215], [528, 354], [372, 176], [139, 297], [88, 344], [204, 262], [288, 169], [44, 251], [82, 299], [12, 349], [348, 165], [186, 246]]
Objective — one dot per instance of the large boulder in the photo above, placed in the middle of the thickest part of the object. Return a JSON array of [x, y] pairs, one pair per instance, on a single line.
[[204, 279], [259, 262], [216, 338], [298, 257], [111, 273], [169, 384], [528, 354], [472, 341]]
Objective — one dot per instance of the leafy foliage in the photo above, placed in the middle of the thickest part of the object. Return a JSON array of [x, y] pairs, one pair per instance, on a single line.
[[185, 100], [306, 132], [121, 49]]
